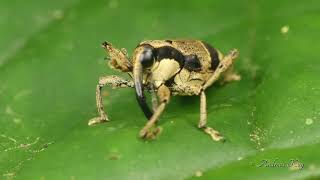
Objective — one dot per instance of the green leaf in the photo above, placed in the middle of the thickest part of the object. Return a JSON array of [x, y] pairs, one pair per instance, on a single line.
[[50, 61]]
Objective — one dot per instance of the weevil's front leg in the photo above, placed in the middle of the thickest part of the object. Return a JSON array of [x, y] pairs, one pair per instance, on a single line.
[[119, 59], [215, 135], [149, 131], [154, 100], [225, 63], [113, 81]]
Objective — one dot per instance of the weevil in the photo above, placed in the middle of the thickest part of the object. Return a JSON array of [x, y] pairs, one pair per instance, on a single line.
[[166, 68]]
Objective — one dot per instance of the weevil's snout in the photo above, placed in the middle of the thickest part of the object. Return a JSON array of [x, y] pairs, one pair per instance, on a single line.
[[144, 58]]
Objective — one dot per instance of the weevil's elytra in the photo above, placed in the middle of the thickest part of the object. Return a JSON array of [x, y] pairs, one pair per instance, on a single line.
[[165, 68]]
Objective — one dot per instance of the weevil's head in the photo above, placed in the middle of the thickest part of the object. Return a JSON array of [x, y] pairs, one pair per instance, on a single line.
[[143, 59], [144, 55]]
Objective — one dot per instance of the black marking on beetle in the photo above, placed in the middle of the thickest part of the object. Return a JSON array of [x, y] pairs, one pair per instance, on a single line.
[[167, 52], [168, 41], [213, 55], [147, 55], [192, 63], [170, 82]]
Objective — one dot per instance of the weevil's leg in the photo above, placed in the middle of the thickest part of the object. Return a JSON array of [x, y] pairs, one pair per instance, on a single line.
[[148, 131], [119, 59], [113, 81], [230, 75], [215, 135], [225, 63], [154, 100]]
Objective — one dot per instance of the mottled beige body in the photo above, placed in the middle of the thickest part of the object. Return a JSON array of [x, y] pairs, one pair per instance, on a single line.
[[156, 77]]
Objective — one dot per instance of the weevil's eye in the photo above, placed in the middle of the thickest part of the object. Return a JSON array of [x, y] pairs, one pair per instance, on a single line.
[[147, 57]]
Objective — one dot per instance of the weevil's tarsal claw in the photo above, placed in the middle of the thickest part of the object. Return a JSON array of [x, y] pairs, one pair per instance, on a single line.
[[215, 135], [105, 44], [97, 120], [137, 73], [151, 133], [234, 53]]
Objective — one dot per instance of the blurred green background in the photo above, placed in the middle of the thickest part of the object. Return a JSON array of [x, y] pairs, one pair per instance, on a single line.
[[50, 61]]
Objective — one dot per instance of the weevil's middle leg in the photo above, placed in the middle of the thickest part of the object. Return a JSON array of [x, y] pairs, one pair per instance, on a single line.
[[114, 82], [149, 131], [215, 135]]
